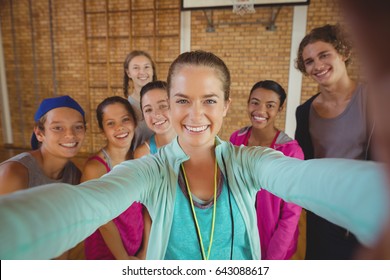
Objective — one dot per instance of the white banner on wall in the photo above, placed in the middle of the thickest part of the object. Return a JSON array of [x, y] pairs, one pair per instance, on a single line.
[[199, 4]]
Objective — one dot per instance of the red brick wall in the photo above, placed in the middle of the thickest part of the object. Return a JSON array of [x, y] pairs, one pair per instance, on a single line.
[[88, 47]]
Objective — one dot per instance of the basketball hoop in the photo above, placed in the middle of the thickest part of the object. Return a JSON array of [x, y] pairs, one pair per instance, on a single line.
[[242, 7]]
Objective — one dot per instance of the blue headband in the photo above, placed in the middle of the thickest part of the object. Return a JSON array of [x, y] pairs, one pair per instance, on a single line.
[[50, 104]]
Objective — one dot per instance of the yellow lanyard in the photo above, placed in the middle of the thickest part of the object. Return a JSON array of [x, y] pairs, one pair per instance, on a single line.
[[194, 214]]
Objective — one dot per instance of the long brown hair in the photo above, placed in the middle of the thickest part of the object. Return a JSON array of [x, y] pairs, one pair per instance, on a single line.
[[126, 63]]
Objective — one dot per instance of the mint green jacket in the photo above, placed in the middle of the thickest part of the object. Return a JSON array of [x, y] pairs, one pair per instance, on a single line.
[[43, 222]]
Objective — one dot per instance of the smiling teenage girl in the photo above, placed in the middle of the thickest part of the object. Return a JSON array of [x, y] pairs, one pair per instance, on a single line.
[[277, 220], [120, 238], [140, 69], [155, 110]]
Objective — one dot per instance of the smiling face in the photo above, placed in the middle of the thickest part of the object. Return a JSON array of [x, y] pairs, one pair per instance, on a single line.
[[155, 108], [63, 134], [323, 63], [197, 105], [118, 125], [140, 70], [263, 107]]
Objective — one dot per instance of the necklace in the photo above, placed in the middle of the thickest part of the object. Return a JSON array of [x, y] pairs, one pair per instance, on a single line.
[[204, 257]]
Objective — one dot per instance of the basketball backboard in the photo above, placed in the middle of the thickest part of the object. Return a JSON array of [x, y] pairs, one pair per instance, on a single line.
[[221, 4]]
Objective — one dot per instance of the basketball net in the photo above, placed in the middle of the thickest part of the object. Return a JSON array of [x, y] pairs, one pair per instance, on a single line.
[[241, 7]]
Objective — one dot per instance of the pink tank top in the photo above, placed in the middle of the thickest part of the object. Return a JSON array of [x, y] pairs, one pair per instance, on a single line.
[[130, 226]]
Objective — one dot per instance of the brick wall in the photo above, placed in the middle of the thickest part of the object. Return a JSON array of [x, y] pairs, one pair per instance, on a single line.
[[33, 73], [83, 56]]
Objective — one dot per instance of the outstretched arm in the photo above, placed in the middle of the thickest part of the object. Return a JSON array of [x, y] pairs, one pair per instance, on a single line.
[[45, 221], [350, 193]]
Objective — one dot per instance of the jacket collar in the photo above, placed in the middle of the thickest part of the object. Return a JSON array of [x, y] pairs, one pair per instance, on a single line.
[[177, 156]]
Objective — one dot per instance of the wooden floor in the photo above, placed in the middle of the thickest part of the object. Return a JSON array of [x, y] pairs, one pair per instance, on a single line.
[[6, 153]]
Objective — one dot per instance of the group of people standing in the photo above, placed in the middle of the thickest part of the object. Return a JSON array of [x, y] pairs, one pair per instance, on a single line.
[[192, 195]]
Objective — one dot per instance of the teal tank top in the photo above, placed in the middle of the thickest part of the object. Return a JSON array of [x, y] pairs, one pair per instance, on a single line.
[[183, 241], [152, 145]]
